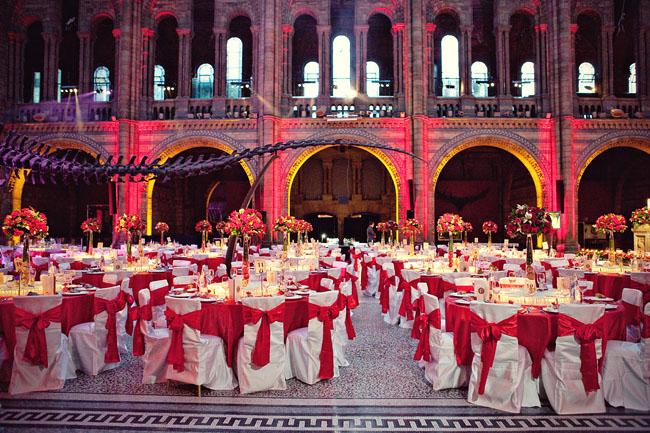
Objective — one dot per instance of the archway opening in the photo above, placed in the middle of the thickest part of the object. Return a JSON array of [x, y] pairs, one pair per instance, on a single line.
[[182, 202], [484, 183], [341, 189], [615, 181], [68, 205]]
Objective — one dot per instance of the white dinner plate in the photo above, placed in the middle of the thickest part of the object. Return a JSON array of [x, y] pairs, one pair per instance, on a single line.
[[208, 300], [180, 295], [597, 299], [610, 307], [461, 295], [292, 297], [74, 293], [462, 301], [551, 310]]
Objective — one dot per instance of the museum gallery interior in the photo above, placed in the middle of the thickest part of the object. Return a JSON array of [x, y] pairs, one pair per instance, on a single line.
[[325, 215]]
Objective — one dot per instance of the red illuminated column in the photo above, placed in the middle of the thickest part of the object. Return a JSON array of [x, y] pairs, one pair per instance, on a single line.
[[607, 62], [360, 39], [429, 59], [542, 71], [503, 60], [324, 60], [466, 60], [398, 56], [287, 82]]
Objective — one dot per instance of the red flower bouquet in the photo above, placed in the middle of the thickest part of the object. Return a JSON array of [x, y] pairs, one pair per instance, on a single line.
[[490, 227], [467, 227], [411, 227], [162, 228], [91, 225], [25, 223], [640, 216], [203, 226], [527, 220], [131, 224], [382, 227], [246, 222], [611, 223], [285, 224], [451, 224]]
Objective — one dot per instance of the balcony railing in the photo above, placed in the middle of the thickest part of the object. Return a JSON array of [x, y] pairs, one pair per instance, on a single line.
[[52, 111]]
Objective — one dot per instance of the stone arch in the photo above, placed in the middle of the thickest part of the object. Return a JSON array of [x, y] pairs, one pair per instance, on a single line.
[[172, 147]]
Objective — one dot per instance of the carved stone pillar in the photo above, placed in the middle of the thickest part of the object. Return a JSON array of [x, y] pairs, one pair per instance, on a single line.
[[542, 72], [85, 62], [287, 54], [324, 61], [115, 79], [429, 59], [361, 43], [184, 62], [50, 65], [148, 58], [503, 61], [15, 67], [572, 66], [466, 61], [398, 59], [220, 41], [643, 68]]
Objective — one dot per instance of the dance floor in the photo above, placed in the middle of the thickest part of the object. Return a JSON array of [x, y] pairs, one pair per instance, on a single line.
[[382, 391]]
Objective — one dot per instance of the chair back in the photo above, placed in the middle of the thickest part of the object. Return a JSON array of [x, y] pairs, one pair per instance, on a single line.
[[191, 336], [464, 283], [507, 346], [40, 260], [179, 271], [645, 333], [144, 301], [567, 347], [431, 304], [158, 284], [327, 284], [274, 319], [181, 263], [335, 273], [110, 279], [410, 275], [38, 305], [185, 280]]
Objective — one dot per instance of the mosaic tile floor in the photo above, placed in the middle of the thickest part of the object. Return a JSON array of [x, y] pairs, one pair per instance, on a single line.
[[383, 390]]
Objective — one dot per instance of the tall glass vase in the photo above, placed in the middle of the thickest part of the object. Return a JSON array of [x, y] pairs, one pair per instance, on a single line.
[[612, 249], [245, 258], [22, 266], [450, 253], [383, 238], [530, 273], [90, 243], [489, 240], [162, 236], [412, 244], [203, 238]]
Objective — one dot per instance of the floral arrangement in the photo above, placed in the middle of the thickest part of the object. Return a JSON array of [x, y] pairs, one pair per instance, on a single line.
[[285, 224], [392, 225], [450, 223], [611, 223], [161, 227], [25, 223], [640, 216], [303, 226], [382, 227], [527, 220], [467, 226], [91, 225], [129, 224], [490, 227], [203, 226], [246, 222], [411, 227], [221, 227]]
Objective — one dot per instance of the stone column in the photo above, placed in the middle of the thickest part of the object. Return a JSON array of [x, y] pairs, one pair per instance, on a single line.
[[184, 62], [148, 59], [324, 62], [115, 75], [287, 54], [542, 71], [429, 59], [607, 60], [85, 62], [50, 65], [466, 61], [398, 59], [642, 69], [503, 61], [257, 83], [15, 67], [573, 28], [361, 42], [220, 40]]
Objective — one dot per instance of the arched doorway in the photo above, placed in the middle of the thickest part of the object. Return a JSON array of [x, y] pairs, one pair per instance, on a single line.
[[484, 183], [182, 202], [68, 205], [343, 187], [616, 180]]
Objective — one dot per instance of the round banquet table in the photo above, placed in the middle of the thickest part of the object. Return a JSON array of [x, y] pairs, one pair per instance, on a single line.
[[137, 281], [74, 310], [609, 284], [226, 320], [537, 331]]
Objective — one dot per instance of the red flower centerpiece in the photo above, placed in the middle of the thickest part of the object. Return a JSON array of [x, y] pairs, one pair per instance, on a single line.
[[452, 225], [285, 225], [392, 230], [90, 226], [221, 227], [132, 226], [611, 223], [246, 223], [640, 217], [527, 221], [26, 224], [382, 228], [162, 228], [467, 227], [204, 227], [490, 227], [410, 228]]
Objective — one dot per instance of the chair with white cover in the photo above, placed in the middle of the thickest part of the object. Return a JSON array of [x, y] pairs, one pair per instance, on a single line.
[[125, 324], [261, 353], [514, 269], [149, 342], [394, 297], [159, 289], [110, 279], [185, 280], [193, 357], [632, 300], [352, 277], [372, 272], [626, 370], [310, 349], [94, 344], [340, 332], [181, 263], [570, 374], [178, 271], [501, 369], [464, 284], [42, 360], [436, 349], [409, 282]]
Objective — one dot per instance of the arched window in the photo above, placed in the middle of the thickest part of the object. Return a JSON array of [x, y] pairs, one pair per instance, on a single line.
[[310, 80], [631, 81], [158, 83], [527, 79], [341, 66], [203, 84], [586, 78], [450, 68], [234, 66], [372, 79], [102, 84], [480, 80]]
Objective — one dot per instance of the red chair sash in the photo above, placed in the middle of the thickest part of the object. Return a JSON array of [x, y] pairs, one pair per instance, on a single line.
[[78, 266], [138, 314], [158, 296], [323, 264], [175, 323], [406, 307], [645, 332], [418, 310], [384, 294], [632, 313], [490, 334], [128, 299], [348, 303], [36, 346], [423, 322], [262, 350], [464, 288], [326, 316], [112, 307], [586, 335]]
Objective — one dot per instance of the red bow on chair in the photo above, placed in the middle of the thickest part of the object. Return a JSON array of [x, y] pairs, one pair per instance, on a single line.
[[36, 346], [632, 313], [645, 333], [418, 310], [175, 323], [112, 307], [138, 314], [128, 300], [384, 291], [262, 350], [490, 334], [347, 303], [423, 322], [326, 316], [406, 307], [158, 296], [586, 335]]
